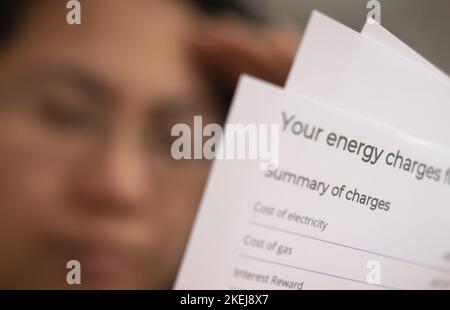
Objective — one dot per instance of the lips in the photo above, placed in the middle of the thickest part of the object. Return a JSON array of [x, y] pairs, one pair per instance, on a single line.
[[103, 263]]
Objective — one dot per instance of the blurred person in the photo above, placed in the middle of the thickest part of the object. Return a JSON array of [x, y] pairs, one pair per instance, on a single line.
[[86, 113]]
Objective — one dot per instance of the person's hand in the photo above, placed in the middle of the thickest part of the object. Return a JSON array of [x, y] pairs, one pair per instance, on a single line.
[[230, 46]]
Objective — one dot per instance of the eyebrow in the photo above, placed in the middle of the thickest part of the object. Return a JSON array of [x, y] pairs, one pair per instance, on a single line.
[[74, 75]]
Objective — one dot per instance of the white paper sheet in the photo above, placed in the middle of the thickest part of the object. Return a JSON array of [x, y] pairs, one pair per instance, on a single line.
[[338, 66], [381, 35], [253, 232]]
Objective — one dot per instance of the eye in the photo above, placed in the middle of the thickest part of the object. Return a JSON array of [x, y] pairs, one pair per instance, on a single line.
[[158, 138], [63, 113]]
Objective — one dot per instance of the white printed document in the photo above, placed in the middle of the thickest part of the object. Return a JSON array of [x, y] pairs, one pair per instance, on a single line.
[[350, 204]]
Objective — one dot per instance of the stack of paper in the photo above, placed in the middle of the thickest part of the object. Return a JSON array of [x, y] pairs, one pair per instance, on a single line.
[[356, 194]]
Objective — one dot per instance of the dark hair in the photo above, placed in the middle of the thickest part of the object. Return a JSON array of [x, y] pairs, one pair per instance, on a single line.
[[213, 7], [11, 14]]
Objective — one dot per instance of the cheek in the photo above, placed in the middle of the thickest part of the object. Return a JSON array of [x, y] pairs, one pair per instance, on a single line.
[[174, 210], [30, 187], [30, 184], [183, 196], [34, 165]]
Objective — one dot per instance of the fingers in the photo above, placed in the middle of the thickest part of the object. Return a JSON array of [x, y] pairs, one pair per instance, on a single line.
[[230, 47]]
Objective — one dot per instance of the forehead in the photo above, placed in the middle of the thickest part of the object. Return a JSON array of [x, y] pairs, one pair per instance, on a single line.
[[136, 44]]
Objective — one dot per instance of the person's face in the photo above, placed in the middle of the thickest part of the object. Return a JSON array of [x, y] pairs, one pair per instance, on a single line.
[[85, 166]]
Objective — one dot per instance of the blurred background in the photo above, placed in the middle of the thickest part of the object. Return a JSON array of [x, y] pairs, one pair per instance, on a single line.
[[423, 25]]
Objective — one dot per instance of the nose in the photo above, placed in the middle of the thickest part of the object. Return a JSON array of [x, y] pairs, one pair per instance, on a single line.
[[112, 179]]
